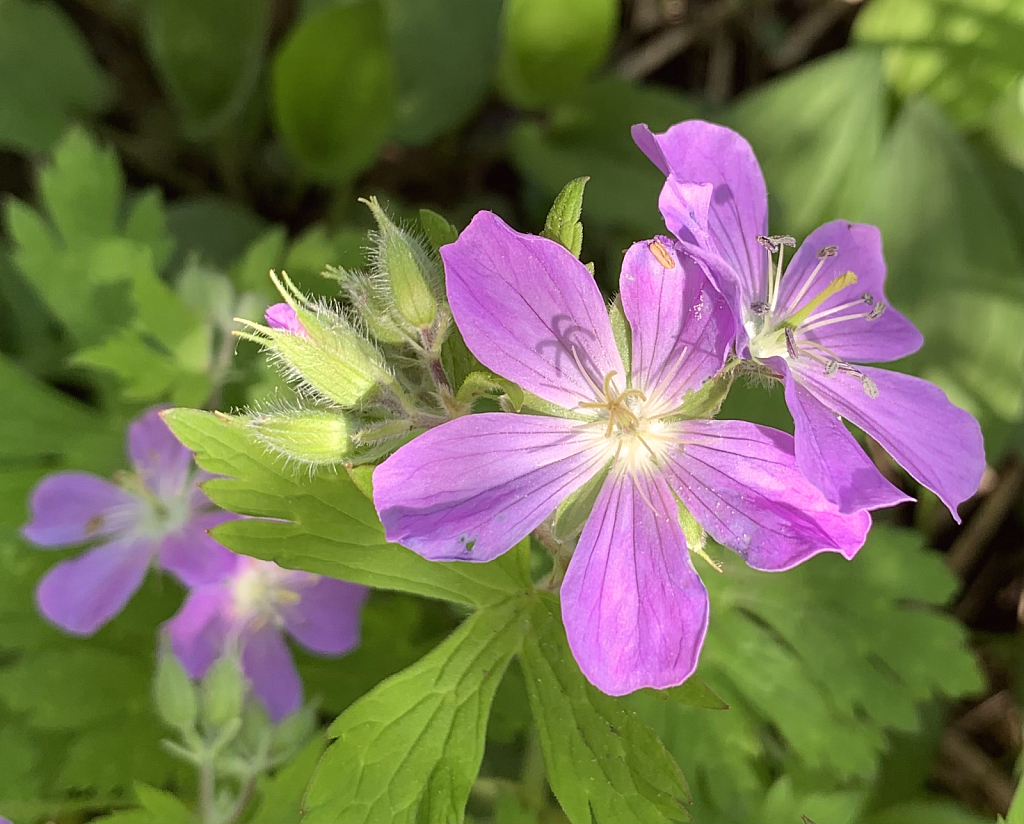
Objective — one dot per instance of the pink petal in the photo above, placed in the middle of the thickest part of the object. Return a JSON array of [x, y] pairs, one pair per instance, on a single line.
[[327, 617], [161, 460], [635, 611], [529, 311], [938, 443], [83, 594], [193, 556], [199, 631], [270, 668], [831, 459], [682, 328], [742, 484], [472, 488], [72, 507], [282, 316], [887, 337], [698, 152]]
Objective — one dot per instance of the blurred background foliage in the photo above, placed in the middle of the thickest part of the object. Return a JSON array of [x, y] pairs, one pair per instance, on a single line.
[[157, 157]]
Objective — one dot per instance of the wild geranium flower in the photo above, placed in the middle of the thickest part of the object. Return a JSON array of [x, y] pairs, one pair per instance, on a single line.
[[155, 514], [634, 608], [250, 609], [813, 323]]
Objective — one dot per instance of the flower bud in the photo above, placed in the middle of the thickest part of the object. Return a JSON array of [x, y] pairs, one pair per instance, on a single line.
[[282, 316], [223, 692], [372, 308], [173, 693], [319, 348], [404, 262], [309, 436]]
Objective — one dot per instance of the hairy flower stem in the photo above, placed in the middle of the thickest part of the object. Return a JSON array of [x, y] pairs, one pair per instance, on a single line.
[[208, 790], [560, 556]]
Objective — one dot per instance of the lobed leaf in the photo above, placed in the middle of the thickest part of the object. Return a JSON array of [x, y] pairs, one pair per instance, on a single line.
[[323, 522], [409, 750], [603, 762]]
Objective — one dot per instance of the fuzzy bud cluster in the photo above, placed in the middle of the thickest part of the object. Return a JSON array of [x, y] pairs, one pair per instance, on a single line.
[[367, 369]]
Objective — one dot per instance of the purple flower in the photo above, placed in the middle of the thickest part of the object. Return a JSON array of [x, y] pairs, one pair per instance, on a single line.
[[812, 324], [249, 609], [282, 316], [634, 609], [157, 514]]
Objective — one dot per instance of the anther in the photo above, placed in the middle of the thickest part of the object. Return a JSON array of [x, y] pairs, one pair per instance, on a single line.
[[876, 311], [827, 252], [870, 388], [791, 349], [760, 308], [868, 298], [661, 254], [831, 368]]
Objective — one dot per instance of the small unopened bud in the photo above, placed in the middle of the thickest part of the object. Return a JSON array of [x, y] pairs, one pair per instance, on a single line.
[[319, 348], [223, 692], [372, 309], [310, 436], [282, 316], [173, 693], [403, 260]]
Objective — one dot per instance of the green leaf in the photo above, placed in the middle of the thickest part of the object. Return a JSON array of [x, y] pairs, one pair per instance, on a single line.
[[694, 693], [438, 230], [928, 811], [964, 53], [281, 796], [48, 76], [563, 223], [208, 55], [603, 762], [326, 524], [444, 53], [817, 133], [550, 47], [955, 269], [589, 135], [810, 656], [410, 750], [334, 90], [157, 807], [215, 230]]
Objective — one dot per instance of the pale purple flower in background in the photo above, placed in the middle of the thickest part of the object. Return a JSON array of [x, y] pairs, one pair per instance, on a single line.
[[250, 609], [158, 515], [634, 608], [282, 316], [813, 323]]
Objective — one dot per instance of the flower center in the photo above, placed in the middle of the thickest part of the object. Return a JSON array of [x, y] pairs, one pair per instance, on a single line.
[[633, 439], [160, 515], [261, 593], [788, 332]]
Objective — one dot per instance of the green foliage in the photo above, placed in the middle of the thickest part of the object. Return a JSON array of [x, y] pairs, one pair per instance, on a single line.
[[964, 53], [811, 655], [956, 270], [549, 47], [209, 55], [334, 90], [92, 254], [816, 133], [85, 705], [323, 523], [410, 749], [444, 53], [563, 224], [155, 807], [588, 135], [603, 762], [48, 78]]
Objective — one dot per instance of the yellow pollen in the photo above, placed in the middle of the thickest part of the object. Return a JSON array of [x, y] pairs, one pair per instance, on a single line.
[[661, 253], [615, 403]]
